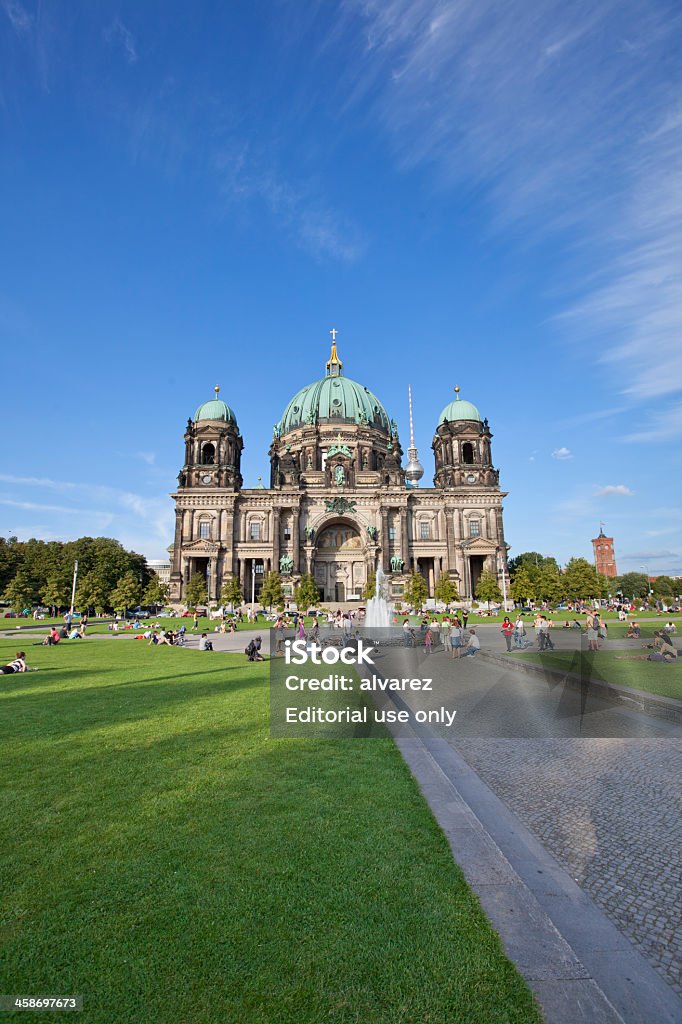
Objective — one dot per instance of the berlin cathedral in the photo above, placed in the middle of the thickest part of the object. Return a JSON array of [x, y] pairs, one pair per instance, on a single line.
[[340, 500]]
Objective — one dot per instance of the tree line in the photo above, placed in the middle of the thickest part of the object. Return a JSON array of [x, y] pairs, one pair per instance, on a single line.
[[536, 577], [40, 573]]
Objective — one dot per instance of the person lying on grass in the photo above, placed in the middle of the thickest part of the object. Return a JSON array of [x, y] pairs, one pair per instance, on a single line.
[[662, 649], [18, 665]]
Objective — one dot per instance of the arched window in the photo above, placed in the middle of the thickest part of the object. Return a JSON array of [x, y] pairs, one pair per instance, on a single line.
[[468, 453], [208, 454], [205, 529]]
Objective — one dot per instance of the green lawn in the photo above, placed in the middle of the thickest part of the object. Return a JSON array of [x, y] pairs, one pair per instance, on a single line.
[[164, 858], [653, 677]]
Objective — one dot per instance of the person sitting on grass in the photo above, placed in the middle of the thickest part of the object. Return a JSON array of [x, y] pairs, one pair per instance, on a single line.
[[52, 638], [75, 634], [204, 643], [634, 632], [18, 665], [670, 628], [471, 647], [253, 650], [662, 649]]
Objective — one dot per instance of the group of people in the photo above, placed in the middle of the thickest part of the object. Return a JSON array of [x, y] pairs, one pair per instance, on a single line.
[[55, 636], [661, 649], [450, 632], [169, 637]]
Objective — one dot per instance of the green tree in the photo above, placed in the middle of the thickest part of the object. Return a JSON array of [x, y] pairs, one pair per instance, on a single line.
[[522, 588], [22, 591], [306, 593], [533, 562], [11, 559], [126, 593], [196, 593], [665, 586], [416, 590], [370, 587], [446, 591], [56, 591], [487, 588], [271, 591], [633, 584], [230, 592], [156, 592], [580, 580], [94, 592], [549, 584]]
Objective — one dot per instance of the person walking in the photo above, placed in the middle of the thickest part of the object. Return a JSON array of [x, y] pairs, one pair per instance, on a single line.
[[519, 631], [445, 628], [465, 617], [279, 637], [428, 640]]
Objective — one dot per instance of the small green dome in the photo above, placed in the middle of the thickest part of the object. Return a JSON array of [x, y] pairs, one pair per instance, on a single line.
[[459, 410], [216, 409], [334, 399]]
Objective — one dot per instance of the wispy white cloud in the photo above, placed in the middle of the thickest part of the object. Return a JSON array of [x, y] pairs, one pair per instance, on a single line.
[[34, 506], [297, 207], [613, 489], [144, 521], [562, 453], [664, 425], [148, 457], [20, 19], [566, 114], [117, 33], [648, 556]]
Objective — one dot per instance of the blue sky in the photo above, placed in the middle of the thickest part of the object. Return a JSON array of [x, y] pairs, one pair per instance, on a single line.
[[480, 194]]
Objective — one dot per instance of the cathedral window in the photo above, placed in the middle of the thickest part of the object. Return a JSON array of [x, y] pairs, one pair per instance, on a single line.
[[468, 453], [474, 527], [204, 530], [208, 454], [424, 530], [391, 533], [254, 530]]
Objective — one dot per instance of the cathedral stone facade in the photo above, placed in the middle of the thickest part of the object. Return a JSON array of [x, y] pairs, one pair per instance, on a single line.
[[340, 501]]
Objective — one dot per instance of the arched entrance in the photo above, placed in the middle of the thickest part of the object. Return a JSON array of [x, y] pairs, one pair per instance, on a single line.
[[339, 562]]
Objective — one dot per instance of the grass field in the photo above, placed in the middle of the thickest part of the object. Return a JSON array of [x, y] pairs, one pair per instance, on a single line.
[[165, 859], [652, 677]]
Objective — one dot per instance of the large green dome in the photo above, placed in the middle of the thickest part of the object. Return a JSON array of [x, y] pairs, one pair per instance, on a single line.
[[216, 409], [459, 410], [334, 399]]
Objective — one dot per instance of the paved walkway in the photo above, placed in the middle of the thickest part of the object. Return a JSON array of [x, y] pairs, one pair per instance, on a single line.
[[598, 784]]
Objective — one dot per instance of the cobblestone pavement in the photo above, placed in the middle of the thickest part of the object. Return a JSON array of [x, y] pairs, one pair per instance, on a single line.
[[610, 811]]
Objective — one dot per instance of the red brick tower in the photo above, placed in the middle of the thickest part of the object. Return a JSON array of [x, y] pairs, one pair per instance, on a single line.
[[604, 557]]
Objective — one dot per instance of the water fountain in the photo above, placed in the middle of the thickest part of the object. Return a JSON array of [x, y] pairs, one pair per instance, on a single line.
[[379, 612]]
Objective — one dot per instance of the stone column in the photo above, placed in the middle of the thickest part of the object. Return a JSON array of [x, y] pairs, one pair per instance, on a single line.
[[177, 541], [295, 538], [450, 539], [384, 540], [404, 541], [213, 579], [432, 581], [275, 538]]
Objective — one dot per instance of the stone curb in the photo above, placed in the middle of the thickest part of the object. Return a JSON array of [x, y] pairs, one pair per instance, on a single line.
[[580, 967], [637, 700]]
